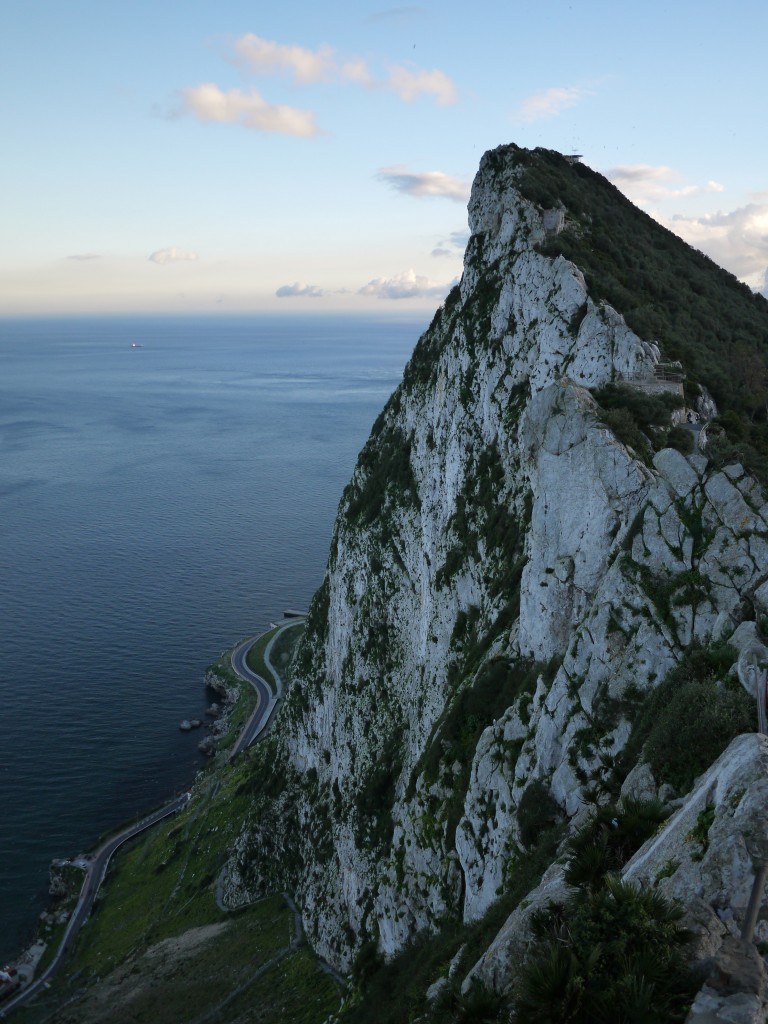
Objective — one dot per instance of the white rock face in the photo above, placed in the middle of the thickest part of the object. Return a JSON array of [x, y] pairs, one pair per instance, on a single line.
[[714, 840], [586, 489], [497, 966], [615, 639], [497, 548], [704, 856]]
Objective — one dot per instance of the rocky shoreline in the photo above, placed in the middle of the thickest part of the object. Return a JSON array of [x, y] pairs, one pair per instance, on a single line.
[[217, 715], [216, 725]]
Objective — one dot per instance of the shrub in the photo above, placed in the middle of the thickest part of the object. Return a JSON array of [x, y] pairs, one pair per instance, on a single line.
[[641, 420], [732, 424], [625, 427], [722, 450], [681, 438], [646, 410], [479, 1006], [694, 727], [386, 464], [611, 955], [376, 794], [691, 717], [610, 837]]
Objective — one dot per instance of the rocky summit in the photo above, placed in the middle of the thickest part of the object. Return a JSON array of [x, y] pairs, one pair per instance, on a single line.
[[517, 774], [542, 573]]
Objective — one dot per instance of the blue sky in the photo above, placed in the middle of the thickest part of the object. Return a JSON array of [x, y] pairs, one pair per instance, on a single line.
[[187, 155]]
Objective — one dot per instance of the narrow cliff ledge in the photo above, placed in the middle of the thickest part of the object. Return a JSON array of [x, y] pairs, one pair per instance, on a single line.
[[508, 585]]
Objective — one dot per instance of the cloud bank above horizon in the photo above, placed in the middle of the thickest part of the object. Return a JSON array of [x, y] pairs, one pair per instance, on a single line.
[[407, 285], [309, 154], [300, 290], [164, 257]]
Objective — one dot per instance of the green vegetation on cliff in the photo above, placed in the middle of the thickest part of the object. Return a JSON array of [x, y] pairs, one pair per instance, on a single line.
[[667, 292]]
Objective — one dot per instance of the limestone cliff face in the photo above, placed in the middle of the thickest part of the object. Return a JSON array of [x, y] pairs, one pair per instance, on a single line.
[[505, 579]]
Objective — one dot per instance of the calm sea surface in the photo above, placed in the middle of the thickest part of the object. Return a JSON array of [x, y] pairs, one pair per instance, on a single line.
[[156, 505]]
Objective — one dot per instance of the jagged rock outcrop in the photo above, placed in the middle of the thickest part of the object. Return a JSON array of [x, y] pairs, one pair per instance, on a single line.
[[706, 857], [506, 581]]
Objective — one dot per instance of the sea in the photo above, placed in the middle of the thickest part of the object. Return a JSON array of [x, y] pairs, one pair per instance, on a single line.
[[168, 486]]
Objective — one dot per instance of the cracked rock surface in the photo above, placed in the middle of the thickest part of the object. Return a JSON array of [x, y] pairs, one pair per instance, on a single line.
[[497, 536]]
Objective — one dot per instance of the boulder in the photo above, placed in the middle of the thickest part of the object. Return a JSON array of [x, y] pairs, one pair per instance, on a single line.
[[709, 847]]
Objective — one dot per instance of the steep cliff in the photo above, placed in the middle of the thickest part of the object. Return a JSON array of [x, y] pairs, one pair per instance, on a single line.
[[512, 577]]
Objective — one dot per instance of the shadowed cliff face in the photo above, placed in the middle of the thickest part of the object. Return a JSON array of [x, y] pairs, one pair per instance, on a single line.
[[507, 584]]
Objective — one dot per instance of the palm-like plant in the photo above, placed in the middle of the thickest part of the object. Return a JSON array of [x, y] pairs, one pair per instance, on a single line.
[[609, 838], [610, 955]]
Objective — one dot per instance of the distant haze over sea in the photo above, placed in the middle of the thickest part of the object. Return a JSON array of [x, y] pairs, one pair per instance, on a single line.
[[167, 486]]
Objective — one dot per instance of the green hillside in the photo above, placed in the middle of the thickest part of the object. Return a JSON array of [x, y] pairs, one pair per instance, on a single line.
[[667, 291]]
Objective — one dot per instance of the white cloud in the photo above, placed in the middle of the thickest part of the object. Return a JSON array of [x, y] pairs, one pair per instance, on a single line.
[[356, 70], [549, 103], [172, 255], [207, 102], [424, 183], [440, 250], [737, 240], [648, 183], [81, 256], [299, 289], [408, 285], [410, 84], [265, 57]]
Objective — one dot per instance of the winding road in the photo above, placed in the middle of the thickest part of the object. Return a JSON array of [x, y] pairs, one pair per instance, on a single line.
[[266, 699], [95, 864]]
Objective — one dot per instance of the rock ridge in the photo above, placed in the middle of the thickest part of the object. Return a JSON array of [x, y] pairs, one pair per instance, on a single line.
[[507, 583]]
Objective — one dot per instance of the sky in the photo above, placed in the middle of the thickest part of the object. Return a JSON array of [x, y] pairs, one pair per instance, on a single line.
[[192, 155]]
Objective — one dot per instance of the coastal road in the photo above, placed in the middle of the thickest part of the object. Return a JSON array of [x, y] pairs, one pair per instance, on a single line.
[[96, 863], [95, 869], [265, 698]]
